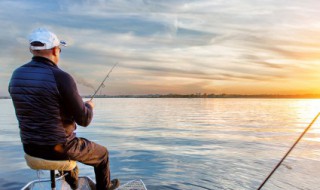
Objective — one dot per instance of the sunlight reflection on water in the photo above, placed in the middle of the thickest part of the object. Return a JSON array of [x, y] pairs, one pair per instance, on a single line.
[[190, 143]]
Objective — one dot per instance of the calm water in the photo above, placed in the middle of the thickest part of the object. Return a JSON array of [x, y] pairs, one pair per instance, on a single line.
[[190, 143]]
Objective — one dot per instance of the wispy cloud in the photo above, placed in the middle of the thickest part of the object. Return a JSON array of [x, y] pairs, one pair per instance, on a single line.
[[197, 45]]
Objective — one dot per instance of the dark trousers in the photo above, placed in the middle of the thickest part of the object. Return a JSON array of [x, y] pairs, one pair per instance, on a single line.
[[79, 149]]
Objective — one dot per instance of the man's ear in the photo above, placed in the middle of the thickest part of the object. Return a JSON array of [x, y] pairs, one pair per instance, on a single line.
[[54, 51]]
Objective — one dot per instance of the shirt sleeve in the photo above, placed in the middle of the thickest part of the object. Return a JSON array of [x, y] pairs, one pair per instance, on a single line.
[[72, 102]]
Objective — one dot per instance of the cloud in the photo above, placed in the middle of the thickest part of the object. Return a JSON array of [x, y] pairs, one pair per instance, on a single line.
[[205, 43]]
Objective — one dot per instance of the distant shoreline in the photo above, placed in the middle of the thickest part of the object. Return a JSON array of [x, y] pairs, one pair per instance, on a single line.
[[275, 96], [304, 96]]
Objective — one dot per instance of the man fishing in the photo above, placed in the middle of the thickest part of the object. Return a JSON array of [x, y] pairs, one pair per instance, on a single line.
[[48, 108]]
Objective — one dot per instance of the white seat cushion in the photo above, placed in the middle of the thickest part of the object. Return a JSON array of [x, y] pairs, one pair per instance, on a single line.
[[42, 164]]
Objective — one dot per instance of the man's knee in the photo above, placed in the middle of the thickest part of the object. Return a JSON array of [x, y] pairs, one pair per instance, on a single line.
[[106, 156], [104, 153]]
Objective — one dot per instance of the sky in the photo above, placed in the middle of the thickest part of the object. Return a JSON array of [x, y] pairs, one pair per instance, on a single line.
[[172, 46]]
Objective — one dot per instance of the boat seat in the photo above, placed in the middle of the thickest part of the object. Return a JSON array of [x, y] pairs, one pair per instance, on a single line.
[[52, 165], [42, 164]]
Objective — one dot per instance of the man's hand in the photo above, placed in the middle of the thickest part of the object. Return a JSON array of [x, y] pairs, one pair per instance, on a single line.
[[90, 103]]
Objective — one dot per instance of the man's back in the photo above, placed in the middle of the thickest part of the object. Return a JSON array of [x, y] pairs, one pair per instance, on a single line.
[[36, 98]]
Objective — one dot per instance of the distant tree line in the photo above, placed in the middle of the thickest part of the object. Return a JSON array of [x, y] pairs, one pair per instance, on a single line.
[[205, 95]]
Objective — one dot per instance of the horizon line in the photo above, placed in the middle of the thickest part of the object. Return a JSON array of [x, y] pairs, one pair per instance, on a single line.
[[198, 95]]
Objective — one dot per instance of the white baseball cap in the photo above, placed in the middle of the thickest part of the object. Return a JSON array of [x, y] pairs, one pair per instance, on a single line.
[[49, 39]]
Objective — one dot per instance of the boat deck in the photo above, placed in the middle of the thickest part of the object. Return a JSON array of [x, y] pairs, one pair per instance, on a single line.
[[85, 183]]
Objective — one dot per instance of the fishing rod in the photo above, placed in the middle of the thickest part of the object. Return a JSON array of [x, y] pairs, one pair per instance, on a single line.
[[103, 81], [292, 147]]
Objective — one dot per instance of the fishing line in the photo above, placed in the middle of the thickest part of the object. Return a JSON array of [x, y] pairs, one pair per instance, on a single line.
[[292, 147], [103, 82]]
